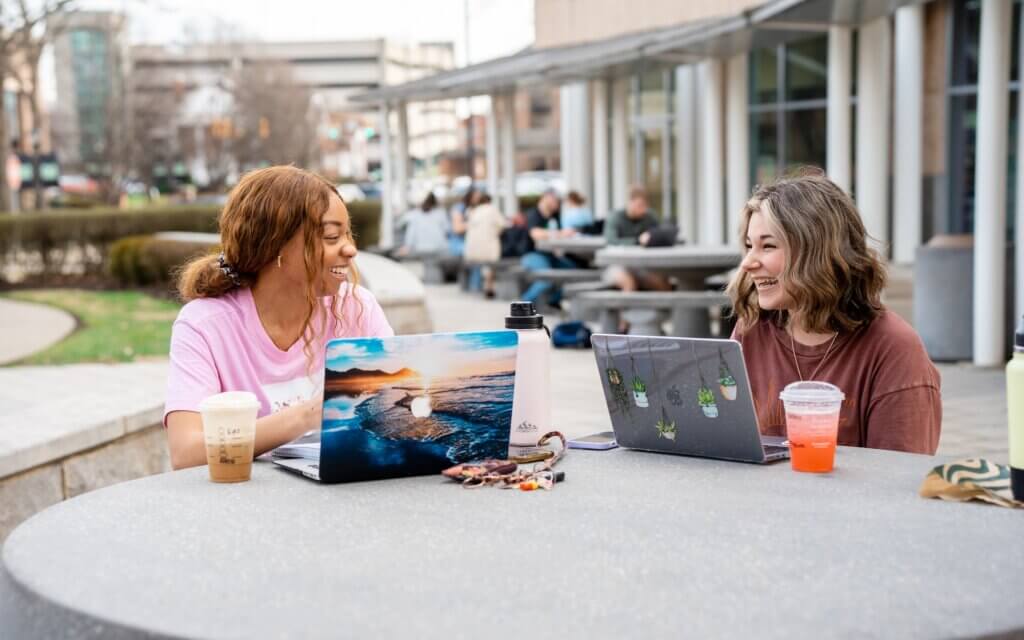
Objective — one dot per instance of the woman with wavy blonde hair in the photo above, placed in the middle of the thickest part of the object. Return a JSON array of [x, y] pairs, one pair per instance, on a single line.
[[807, 300], [258, 316]]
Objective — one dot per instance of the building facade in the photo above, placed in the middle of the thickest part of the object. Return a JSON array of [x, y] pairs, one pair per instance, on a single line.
[[347, 139], [910, 106], [89, 57]]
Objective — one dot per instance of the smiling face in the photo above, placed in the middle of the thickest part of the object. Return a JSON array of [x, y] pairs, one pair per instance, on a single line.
[[338, 250], [765, 262]]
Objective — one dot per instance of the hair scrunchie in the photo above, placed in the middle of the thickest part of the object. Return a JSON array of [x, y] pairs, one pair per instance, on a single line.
[[229, 271]]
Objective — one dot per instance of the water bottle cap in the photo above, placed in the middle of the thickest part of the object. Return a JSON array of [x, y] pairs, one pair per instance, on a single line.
[[523, 315]]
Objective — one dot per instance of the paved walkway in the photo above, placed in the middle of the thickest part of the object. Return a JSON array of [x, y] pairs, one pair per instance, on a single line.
[[27, 328]]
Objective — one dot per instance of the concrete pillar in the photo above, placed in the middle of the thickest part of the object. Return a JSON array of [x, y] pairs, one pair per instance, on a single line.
[[990, 183], [402, 164], [686, 151], [620, 142], [387, 212], [908, 146], [840, 71], [737, 139], [873, 68], [601, 197], [710, 229], [507, 124], [493, 169], [575, 136]]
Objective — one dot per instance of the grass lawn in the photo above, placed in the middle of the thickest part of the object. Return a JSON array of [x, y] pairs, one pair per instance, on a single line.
[[113, 326]]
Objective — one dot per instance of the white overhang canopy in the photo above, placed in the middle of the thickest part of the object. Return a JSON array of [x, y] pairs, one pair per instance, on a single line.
[[770, 24]]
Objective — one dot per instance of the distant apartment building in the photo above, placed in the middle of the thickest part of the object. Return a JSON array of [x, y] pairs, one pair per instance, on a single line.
[[89, 56], [348, 143]]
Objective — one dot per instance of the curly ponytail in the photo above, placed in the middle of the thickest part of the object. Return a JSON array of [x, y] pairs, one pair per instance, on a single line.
[[203, 277]]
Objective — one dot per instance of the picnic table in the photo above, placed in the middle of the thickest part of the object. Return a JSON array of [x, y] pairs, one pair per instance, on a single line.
[[632, 544], [690, 265], [580, 245]]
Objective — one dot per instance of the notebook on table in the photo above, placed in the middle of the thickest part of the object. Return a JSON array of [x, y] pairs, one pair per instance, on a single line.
[[409, 405]]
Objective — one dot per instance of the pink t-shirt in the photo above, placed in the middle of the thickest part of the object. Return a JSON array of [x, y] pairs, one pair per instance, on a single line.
[[219, 344]]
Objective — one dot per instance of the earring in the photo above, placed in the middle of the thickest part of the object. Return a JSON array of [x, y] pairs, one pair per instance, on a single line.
[[279, 261]]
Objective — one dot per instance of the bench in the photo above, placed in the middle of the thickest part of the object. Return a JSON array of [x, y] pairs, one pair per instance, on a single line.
[[438, 268], [508, 276], [563, 276], [688, 310]]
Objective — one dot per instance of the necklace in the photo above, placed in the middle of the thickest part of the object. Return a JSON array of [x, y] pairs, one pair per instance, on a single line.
[[792, 347]]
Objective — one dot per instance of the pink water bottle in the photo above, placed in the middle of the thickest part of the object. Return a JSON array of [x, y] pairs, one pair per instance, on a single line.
[[531, 399]]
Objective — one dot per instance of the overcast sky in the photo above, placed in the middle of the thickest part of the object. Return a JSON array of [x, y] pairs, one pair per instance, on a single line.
[[496, 27]]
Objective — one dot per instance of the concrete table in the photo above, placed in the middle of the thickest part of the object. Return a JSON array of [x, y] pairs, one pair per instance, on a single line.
[[631, 545], [582, 246], [690, 265]]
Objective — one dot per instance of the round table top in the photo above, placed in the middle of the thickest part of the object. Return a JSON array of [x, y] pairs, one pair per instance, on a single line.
[[632, 544], [675, 257], [583, 245]]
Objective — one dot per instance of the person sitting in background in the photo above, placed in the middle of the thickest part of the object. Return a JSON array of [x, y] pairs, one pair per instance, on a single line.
[[484, 225], [575, 214], [426, 229], [457, 228], [807, 298], [636, 224], [258, 317], [543, 222]]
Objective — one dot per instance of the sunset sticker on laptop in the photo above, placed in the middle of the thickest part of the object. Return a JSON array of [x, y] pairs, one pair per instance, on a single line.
[[411, 405]]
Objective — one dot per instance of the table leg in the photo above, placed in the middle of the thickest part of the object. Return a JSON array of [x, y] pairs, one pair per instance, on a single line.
[[690, 322]]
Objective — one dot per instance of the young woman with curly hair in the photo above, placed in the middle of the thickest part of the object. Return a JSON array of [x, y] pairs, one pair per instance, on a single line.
[[259, 315], [807, 299]]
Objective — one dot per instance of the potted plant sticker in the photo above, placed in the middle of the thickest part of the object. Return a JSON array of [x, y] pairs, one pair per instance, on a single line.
[[639, 393], [726, 382], [706, 400], [666, 428], [615, 381]]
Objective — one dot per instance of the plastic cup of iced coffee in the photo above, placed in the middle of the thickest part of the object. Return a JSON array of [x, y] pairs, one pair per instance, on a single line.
[[229, 427], [812, 424]]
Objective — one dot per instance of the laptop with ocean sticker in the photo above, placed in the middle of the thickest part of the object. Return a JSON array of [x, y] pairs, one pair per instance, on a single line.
[[409, 405]]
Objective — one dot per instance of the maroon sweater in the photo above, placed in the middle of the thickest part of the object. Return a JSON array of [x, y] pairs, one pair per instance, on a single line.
[[891, 386]]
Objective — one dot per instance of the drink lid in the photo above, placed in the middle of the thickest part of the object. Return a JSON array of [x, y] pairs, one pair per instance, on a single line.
[[230, 400], [523, 315], [811, 391]]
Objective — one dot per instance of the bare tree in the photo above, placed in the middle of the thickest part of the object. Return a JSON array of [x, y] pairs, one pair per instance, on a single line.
[[26, 29], [273, 122]]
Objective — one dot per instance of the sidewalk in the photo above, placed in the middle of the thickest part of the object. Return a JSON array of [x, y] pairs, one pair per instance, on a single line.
[[27, 328]]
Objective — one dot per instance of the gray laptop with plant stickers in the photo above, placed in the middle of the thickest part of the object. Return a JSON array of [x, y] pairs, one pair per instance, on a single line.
[[688, 396]]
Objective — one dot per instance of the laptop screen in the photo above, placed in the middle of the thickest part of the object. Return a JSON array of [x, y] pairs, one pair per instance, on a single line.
[[415, 405]]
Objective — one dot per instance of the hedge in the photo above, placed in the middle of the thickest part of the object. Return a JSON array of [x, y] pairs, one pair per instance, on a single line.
[[79, 241]]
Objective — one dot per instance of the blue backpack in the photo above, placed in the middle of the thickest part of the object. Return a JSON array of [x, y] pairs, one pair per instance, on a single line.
[[571, 334]]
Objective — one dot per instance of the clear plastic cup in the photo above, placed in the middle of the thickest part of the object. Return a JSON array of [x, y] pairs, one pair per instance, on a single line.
[[229, 427], [812, 424]]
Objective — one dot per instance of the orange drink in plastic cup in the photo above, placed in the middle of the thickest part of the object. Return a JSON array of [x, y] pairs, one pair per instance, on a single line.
[[812, 424]]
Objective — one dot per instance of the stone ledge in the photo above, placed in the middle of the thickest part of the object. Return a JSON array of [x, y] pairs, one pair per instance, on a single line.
[[55, 412]]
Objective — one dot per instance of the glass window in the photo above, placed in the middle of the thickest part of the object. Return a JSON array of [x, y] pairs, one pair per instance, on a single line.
[[805, 137], [807, 69], [764, 147], [653, 94], [764, 76]]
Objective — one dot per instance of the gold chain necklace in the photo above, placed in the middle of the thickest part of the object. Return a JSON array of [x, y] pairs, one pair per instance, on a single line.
[[792, 347]]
